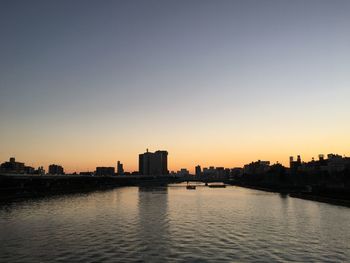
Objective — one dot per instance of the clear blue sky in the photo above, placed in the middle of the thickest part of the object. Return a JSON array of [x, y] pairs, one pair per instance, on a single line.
[[86, 83]]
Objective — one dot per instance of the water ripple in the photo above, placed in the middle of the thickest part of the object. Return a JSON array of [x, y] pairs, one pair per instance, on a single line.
[[174, 225]]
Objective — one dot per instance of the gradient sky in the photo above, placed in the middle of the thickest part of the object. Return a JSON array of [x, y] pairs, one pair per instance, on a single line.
[[223, 83]]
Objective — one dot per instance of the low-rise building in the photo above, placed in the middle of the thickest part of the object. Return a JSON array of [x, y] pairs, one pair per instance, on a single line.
[[258, 167], [55, 169], [183, 172], [15, 167], [105, 171]]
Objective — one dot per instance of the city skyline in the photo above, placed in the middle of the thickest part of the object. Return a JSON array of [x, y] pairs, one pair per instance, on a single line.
[[87, 83], [155, 161]]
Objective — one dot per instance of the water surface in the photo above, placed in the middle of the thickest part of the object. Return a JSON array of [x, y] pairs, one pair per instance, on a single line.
[[174, 224]]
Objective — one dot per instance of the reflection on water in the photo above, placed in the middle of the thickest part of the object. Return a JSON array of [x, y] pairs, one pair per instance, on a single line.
[[154, 223], [174, 224]]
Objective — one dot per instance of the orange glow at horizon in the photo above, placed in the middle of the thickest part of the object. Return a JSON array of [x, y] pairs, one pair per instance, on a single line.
[[181, 155]]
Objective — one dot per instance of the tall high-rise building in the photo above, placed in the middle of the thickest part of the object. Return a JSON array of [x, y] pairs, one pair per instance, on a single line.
[[145, 163], [159, 163], [198, 170], [120, 169], [153, 163]]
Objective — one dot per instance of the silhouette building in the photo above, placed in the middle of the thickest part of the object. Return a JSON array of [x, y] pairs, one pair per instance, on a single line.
[[198, 170], [258, 167], [107, 171], [183, 172], [15, 167], [120, 169], [153, 163], [294, 165], [56, 169]]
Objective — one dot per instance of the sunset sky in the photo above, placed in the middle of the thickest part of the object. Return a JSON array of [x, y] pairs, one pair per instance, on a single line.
[[222, 83]]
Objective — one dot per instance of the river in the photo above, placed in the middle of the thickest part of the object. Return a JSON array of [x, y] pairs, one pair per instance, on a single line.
[[173, 224]]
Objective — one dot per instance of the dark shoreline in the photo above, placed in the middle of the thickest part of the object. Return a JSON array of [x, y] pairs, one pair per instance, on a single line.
[[15, 187], [321, 199], [22, 187], [297, 193]]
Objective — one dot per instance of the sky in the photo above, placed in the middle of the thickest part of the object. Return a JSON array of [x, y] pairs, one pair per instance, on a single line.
[[221, 83]]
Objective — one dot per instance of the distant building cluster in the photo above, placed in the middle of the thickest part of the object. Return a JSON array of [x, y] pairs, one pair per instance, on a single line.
[[106, 171], [181, 172], [14, 167], [150, 164], [333, 164], [333, 170], [212, 172]]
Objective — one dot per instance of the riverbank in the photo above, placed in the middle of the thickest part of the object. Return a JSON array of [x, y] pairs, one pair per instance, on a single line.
[[28, 186], [322, 199], [323, 195], [31, 186]]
